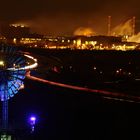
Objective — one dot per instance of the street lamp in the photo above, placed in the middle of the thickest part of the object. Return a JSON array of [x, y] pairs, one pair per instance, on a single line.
[[32, 122]]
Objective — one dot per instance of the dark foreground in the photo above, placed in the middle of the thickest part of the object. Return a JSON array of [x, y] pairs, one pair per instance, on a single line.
[[64, 114]]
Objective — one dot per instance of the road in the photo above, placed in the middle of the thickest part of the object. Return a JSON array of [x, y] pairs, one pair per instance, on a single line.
[[104, 93]]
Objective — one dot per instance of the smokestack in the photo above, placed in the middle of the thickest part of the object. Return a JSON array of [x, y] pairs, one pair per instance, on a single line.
[[109, 26], [133, 25]]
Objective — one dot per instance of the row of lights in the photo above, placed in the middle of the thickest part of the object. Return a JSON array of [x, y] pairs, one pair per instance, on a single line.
[[77, 43]]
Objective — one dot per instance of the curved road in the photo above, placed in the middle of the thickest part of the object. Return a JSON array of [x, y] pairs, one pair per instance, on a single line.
[[106, 94]]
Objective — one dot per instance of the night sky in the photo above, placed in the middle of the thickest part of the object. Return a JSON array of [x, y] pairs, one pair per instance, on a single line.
[[64, 17]]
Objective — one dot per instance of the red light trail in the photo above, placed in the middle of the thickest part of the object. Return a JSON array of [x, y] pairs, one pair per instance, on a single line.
[[106, 94]]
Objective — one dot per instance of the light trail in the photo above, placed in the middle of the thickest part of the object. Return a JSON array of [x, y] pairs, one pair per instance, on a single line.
[[34, 65], [108, 94]]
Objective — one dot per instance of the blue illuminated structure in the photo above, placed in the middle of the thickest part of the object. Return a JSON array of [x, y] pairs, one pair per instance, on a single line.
[[11, 80]]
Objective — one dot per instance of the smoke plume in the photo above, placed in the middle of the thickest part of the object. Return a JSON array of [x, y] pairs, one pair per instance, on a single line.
[[123, 28], [135, 38], [84, 31]]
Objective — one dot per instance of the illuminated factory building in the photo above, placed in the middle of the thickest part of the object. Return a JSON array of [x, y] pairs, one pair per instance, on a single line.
[[14, 31], [20, 35], [89, 43]]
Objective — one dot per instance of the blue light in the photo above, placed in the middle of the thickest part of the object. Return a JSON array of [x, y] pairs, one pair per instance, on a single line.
[[32, 121], [33, 118]]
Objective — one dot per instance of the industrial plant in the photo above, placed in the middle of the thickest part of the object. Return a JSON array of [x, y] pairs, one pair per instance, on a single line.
[[121, 37]]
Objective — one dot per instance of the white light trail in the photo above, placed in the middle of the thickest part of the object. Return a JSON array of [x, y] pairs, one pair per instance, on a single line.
[[34, 65]]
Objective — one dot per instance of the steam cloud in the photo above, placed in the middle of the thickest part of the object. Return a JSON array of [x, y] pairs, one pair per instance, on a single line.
[[123, 28], [84, 31], [135, 38]]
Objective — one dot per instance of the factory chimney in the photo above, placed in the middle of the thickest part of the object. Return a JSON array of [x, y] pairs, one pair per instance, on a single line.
[[133, 25], [109, 26]]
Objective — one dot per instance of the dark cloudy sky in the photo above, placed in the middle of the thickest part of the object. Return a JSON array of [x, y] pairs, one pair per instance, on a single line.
[[64, 16]]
